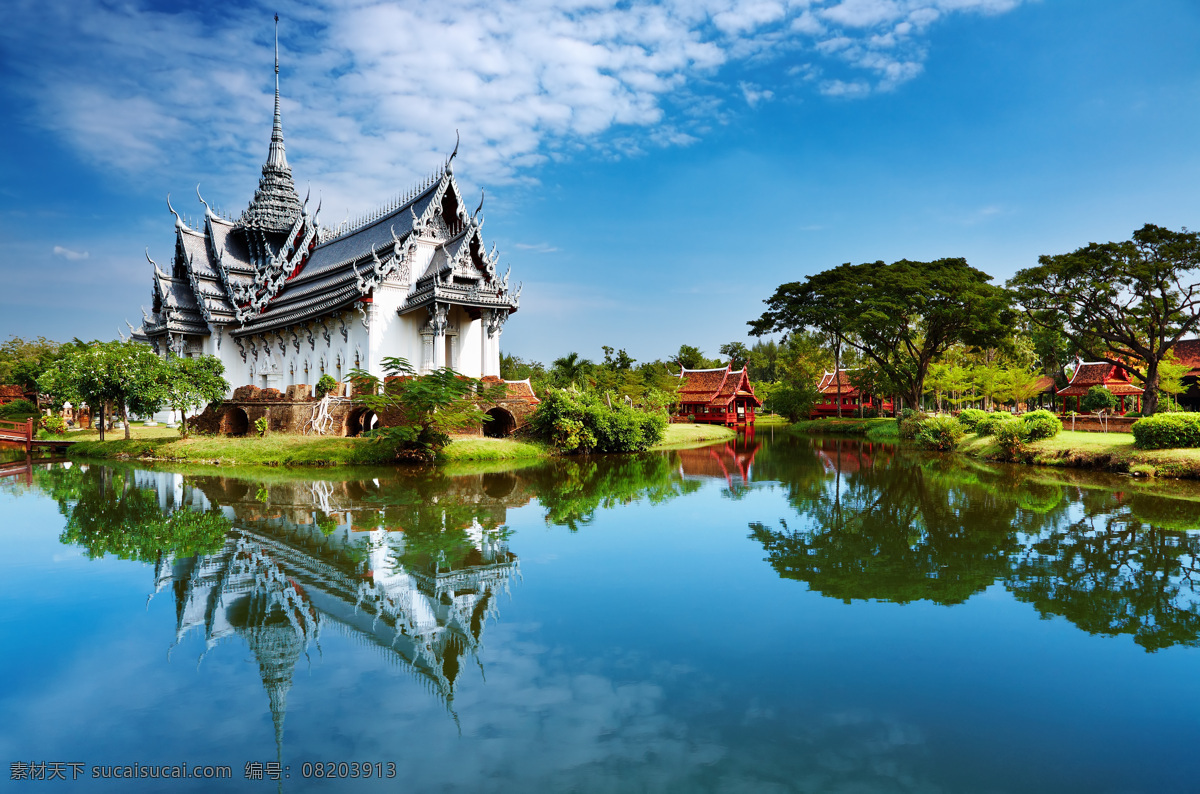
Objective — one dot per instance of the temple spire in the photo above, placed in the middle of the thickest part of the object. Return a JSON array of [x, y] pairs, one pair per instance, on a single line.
[[277, 156], [275, 204]]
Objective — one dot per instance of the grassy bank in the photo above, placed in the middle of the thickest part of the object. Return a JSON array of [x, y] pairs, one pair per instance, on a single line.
[[279, 449], [881, 429], [1113, 452], [680, 436]]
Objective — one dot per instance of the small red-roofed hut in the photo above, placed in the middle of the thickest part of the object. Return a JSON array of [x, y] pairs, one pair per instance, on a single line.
[[1187, 352], [1113, 377], [718, 396], [836, 387]]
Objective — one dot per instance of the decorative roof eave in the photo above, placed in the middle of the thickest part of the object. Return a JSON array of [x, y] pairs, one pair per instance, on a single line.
[[439, 292], [1119, 389]]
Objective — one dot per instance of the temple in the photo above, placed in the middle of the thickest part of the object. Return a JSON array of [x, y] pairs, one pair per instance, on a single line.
[[717, 396], [1187, 352], [835, 388], [1101, 373], [281, 299]]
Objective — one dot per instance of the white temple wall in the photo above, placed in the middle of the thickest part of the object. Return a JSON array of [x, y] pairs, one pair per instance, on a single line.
[[469, 353], [393, 335]]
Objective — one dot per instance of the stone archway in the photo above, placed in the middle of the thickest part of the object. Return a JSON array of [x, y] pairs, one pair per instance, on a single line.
[[235, 422], [503, 423], [360, 422]]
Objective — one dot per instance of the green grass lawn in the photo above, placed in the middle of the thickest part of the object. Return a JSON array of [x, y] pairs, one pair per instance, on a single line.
[[1105, 451]]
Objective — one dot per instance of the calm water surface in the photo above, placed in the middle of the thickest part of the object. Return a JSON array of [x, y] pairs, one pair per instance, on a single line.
[[778, 614]]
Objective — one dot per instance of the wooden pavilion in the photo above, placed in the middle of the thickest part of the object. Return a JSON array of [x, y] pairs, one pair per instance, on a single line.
[[718, 396], [836, 387], [1113, 377], [1187, 352]]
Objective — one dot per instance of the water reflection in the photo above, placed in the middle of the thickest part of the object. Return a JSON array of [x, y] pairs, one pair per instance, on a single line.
[[871, 523], [414, 572]]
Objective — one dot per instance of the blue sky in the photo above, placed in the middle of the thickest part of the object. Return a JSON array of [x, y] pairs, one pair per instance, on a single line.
[[653, 170]]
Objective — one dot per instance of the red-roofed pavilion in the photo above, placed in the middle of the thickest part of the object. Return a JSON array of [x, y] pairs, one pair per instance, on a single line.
[[1113, 377], [1187, 352], [835, 387], [718, 396]]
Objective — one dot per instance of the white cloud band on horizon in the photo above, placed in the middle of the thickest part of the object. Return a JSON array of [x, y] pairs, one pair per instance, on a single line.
[[373, 91]]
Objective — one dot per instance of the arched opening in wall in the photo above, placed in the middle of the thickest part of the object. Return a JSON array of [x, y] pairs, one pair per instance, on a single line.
[[360, 422], [235, 422], [502, 424]]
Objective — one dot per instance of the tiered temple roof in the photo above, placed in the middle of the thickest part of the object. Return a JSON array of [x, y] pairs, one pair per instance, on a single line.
[[836, 383], [1099, 373], [275, 266], [716, 387], [1187, 352]]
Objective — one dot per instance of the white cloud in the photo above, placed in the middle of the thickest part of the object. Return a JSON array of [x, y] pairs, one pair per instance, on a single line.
[[537, 248], [374, 91], [754, 94], [67, 253]]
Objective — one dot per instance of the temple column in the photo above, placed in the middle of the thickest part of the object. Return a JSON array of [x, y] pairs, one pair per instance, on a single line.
[[433, 339], [494, 322]]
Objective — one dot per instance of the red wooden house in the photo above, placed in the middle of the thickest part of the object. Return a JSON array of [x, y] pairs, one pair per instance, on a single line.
[[1113, 377], [836, 387], [1188, 352], [718, 396]]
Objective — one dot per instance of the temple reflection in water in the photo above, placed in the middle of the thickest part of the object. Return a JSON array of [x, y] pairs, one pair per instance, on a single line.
[[306, 558]]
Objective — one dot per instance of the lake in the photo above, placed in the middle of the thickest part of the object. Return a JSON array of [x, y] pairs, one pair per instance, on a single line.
[[773, 614]]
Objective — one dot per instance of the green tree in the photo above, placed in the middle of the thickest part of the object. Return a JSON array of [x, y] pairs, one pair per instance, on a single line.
[[193, 382], [761, 361], [22, 361], [689, 357], [738, 354], [127, 374], [1098, 399], [421, 412], [901, 316], [619, 361], [570, 370], [1122, 302]]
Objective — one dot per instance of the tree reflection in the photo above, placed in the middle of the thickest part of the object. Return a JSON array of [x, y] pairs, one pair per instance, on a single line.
[[943, 529], [888, 532], [108, 513]]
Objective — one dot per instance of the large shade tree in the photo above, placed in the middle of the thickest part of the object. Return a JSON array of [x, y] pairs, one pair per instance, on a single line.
[[1126, 303], [901, 317], [129, 375], [193, 382]]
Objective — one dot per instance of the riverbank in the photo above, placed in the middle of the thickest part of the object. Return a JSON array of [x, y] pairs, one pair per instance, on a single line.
[[1113, 452], [278, 449], [1110, 452], [881, 429]]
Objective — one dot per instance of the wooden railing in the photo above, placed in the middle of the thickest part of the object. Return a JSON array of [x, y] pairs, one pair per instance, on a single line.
[[17, 432]]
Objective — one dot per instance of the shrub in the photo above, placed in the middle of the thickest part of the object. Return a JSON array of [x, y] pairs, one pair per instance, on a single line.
[[1010, 438], [54, 425], [940, 432], [261, 425], [870, 413], [910, 423], [1037, 425], [1167, 431], [18, 408], [988, 425], [969, 417], [1098, 399], [584, 423], [325, 384]]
